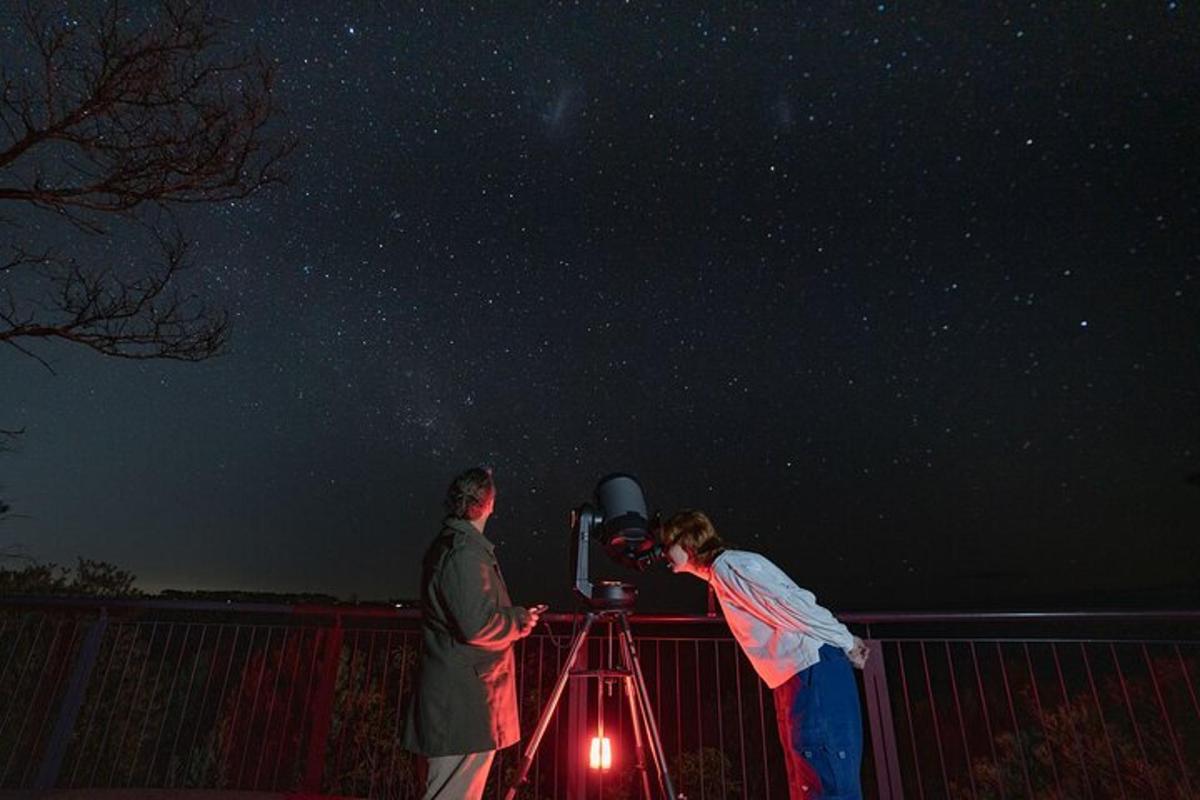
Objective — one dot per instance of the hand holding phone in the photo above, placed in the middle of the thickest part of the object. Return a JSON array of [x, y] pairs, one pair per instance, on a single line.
[[530, 620]]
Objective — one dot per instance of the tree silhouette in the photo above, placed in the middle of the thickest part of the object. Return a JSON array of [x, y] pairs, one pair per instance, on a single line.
[[114, 116], [88, 578], [110, 124]]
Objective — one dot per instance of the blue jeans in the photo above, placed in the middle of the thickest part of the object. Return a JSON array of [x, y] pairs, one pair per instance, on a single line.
[[820, 729]]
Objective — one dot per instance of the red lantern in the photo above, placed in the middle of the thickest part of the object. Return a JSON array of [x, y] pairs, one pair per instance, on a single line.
[[600, 756]]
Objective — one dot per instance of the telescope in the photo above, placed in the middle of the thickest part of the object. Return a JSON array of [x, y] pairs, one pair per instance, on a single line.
[[627, 533], [630, 537]]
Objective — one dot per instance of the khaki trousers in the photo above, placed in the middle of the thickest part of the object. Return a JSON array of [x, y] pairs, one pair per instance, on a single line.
[[457, 777]]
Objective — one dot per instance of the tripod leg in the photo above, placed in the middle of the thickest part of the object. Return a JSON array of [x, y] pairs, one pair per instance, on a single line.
[[656, 746], [539, 730], [636, 722]]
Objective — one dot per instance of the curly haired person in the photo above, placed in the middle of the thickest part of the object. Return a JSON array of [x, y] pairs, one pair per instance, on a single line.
[[797, 647]]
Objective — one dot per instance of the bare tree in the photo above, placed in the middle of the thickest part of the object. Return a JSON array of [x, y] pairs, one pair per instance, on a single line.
[[112, 122], [119, 119]]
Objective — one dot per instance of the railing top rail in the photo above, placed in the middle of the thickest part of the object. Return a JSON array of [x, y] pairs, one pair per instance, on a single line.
[[391, 612], [1079, 615]]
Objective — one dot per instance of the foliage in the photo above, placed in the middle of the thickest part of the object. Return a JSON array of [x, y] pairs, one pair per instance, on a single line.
[[1090, 746], [88, 578], [706, 767]]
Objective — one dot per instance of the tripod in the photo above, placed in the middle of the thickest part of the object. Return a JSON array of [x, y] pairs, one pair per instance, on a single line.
[[640, 712]]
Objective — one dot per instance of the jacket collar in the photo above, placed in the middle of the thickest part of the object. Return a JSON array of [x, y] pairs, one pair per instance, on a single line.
[[464, 526]]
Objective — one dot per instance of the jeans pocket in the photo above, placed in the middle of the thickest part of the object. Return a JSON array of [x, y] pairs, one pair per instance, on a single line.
[[836, 768]]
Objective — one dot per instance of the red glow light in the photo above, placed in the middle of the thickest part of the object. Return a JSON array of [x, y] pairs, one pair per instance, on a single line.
[[600, 756]]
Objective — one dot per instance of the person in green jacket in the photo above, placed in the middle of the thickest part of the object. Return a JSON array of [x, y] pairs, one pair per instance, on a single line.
[[464, 704]]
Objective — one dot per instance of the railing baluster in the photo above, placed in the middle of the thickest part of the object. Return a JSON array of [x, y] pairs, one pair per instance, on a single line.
[[287, 716], [239, 692], [1037, 703], [56, 670], [537, 774], [12, 653], [212, 670], [308, 693], [908, 714], [137, 748], [1137, 729], [1087, 665], [17, 693], [187, 631], [263, 661], [937, 728], [679, 715], [558, 658], [741, 717], [137, 690], [364, 701], [1087, 781], [220, 709], [272, 700], [699, 718], [187, 699], [1012, 713], [97, 700], [397, 722], [347, 712], [1162, 707], [962, 727], [120, 685], [720, 721], [987, 720], [230, 745], [1188, 680], [762, 735], [381, 713]]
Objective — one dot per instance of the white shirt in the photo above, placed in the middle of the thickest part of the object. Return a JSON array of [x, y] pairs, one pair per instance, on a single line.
[[779, 625]]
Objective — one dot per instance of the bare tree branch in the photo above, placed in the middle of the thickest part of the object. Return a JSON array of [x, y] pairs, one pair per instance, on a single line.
[[118, 114], [161, 113], [139, 318], [115, 118]]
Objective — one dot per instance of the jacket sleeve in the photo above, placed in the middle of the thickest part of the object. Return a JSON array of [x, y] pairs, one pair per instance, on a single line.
[[777, 601], [471, 596]]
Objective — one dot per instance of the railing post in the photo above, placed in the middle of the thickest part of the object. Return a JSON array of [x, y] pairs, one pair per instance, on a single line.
[[322, 705], [72, 701], [883, 731]]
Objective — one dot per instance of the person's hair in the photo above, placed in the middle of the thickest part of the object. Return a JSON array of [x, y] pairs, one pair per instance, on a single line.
[[469, 493], [694, 532]]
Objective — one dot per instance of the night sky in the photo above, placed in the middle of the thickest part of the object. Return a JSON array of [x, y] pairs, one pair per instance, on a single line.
[[905, 297]]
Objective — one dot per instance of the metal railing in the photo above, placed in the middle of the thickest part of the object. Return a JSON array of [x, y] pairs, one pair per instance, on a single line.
[[154, 694]]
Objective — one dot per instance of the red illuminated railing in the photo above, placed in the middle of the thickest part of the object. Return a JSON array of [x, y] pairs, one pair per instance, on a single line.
[[97, 694]]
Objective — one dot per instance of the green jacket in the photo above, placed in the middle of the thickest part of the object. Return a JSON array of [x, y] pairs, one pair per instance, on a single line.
[[465, 695]]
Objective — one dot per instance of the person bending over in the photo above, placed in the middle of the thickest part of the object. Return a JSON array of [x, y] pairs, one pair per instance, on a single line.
[[797, 647]]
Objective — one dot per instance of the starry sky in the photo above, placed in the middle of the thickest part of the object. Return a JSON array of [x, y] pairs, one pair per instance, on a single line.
[[905, 296]]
